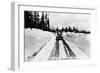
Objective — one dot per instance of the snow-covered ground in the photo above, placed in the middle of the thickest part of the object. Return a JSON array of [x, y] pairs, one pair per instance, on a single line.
[[45, 52], [81, 40], [48, 49], [34, 39]]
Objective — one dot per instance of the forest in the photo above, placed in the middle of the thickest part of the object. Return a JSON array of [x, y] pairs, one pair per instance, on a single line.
[[32, 20]]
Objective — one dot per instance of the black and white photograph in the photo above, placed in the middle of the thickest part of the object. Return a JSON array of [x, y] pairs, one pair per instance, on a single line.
[[54, 36]]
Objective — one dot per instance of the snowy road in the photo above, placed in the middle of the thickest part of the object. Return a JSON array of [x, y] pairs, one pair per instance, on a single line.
[[45, 51], [79, 54], [64, 50]]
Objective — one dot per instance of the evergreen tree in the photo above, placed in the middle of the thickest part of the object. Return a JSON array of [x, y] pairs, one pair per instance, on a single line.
[[66, 29], [36, 19], [63, 29], [42, 21], [47, 21], [70, 29], [28, 19]]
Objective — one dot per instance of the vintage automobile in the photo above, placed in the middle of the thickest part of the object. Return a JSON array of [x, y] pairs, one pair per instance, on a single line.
[[59, 35]]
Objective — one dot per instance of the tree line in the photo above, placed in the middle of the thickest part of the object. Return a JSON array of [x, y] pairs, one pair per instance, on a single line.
[[32, 19]]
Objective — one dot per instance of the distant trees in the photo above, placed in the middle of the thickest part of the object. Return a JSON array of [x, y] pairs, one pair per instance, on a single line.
[[75, 30], [69, 29]]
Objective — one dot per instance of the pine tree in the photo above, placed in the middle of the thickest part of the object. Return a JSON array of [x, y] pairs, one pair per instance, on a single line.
[[69, 29], [28, 19], [36, 19], [63, 29], [66, 29], [47, 20], [42, 21]]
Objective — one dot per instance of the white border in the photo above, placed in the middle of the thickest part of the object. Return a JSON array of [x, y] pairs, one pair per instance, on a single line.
[[18, 52]]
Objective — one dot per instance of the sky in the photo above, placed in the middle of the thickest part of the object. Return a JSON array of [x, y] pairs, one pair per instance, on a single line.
[[81, 21]]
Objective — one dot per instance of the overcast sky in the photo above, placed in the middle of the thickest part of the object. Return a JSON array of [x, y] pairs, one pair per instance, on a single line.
[[82, 21]]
